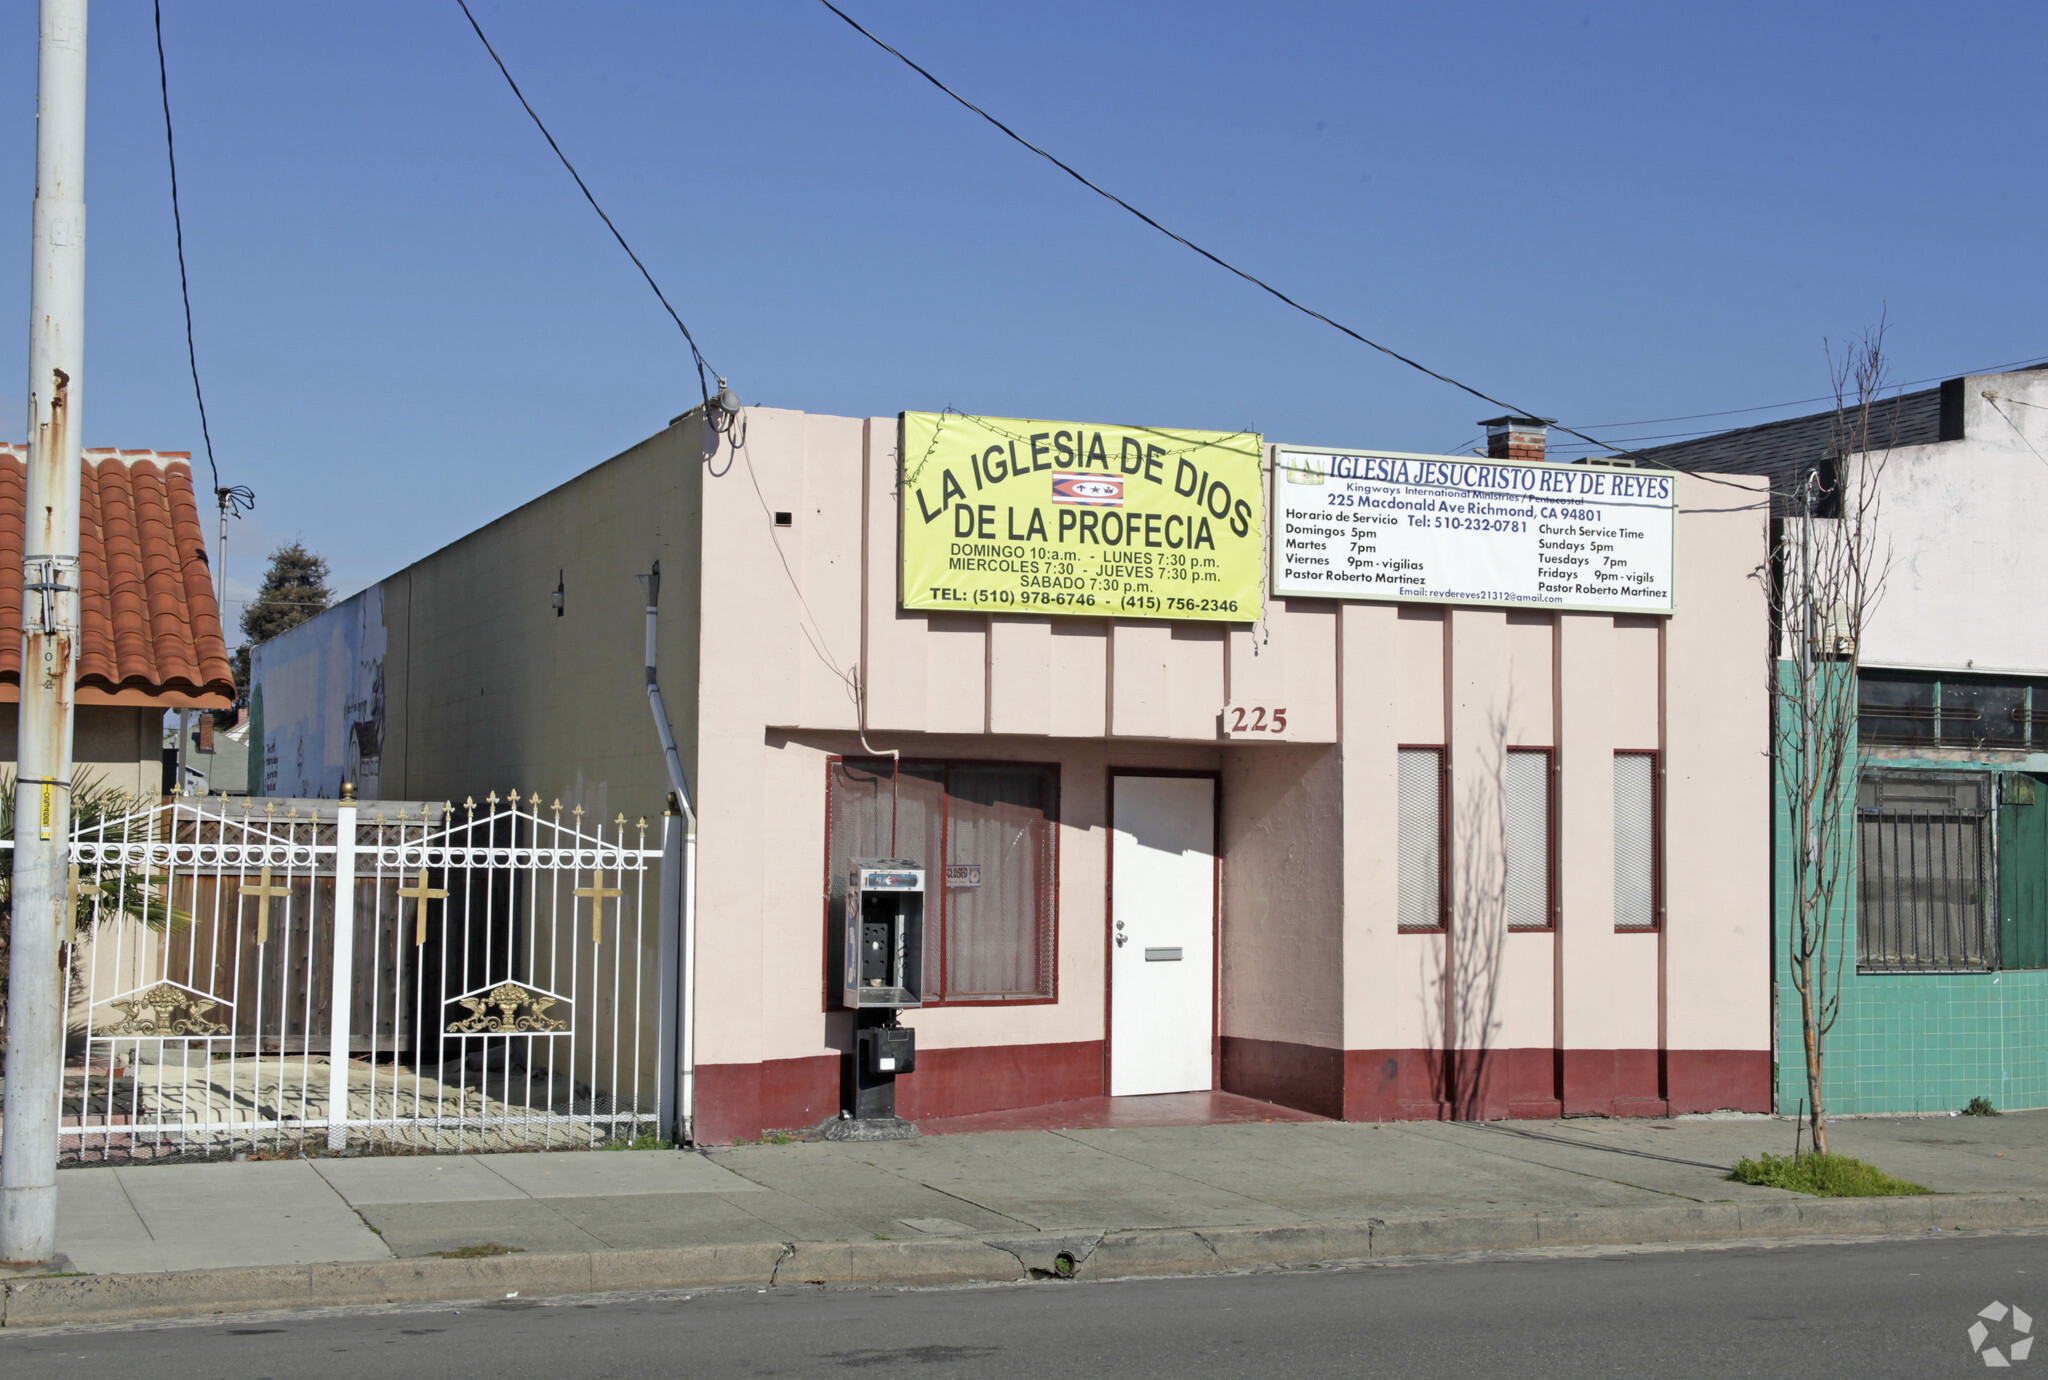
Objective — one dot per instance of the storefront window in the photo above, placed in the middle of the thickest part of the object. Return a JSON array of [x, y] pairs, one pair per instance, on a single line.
[[985, 833]]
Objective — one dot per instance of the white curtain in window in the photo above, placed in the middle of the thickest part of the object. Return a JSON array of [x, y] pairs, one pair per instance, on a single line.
[[1421, 840], [1526, 811], [1635, 841]]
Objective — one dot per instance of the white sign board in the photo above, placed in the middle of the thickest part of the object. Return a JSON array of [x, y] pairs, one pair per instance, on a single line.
[[1440, 529]]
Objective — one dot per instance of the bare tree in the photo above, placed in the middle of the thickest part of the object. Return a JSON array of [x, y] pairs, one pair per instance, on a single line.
[[1827, 571], [1468, 964]]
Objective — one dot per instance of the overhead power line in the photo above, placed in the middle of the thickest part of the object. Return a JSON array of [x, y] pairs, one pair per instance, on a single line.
[[239, 496], [232, 500], [703, 366], [1218, 260]]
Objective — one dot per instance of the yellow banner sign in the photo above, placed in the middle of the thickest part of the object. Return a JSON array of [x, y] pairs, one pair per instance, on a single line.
[[1006, 515]]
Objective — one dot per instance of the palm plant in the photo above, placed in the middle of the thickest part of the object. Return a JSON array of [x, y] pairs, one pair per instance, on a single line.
[[108, 814]]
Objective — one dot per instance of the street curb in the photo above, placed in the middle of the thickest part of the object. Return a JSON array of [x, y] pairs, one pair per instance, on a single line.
[[51, 1300]]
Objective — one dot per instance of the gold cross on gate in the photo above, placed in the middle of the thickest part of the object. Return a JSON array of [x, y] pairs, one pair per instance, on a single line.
[[597, 891], [421, 893], [264, 891]]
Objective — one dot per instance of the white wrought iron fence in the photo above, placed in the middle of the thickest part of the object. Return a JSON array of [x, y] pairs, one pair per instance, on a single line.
[[285, 977]]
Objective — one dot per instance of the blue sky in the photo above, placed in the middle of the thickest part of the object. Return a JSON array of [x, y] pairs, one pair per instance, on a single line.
[[409, 321]]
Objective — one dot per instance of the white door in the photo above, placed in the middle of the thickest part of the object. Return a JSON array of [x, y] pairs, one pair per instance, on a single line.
[[1162, 933]]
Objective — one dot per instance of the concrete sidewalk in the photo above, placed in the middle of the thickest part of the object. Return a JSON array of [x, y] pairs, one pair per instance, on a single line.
[[971, 1207]]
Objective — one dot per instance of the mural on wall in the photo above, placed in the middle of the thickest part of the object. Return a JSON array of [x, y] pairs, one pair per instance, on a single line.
[[317, 703]]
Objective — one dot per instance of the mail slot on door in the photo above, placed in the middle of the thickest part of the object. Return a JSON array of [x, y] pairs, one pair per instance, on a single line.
[[1163, 955], [884, 939]]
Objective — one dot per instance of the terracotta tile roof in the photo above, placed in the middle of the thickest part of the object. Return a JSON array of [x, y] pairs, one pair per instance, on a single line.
[[152, 631]]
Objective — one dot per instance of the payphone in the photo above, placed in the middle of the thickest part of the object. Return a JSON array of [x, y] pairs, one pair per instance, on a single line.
[[884, 974]]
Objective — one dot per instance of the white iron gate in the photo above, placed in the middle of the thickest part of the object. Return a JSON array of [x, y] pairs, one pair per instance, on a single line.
[[286, 977]]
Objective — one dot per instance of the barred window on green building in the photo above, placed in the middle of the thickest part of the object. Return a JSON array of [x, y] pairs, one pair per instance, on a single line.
[[1952, 871]]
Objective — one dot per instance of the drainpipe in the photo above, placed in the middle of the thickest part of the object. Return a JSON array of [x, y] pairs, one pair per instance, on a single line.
[[686, 978]]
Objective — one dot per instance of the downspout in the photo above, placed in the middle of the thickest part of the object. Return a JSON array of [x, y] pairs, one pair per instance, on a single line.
[[686, 1014]]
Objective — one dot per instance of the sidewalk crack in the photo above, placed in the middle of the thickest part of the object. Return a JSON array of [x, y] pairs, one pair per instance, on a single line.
[[482, 1162], [963, 1198], [129, 1199], [1590, 1145], [1587, 1174], [1188, 1178]]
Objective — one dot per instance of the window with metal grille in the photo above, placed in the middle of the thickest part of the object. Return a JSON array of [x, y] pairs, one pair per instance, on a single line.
[[1926, 877], [1528, 837], [1423, 902], [985, 834], [1917, 707], [1638, 842]]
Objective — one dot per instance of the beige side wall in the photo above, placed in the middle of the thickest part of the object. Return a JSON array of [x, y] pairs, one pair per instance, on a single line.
[[1717, 782], [118, 746], [486, 689]]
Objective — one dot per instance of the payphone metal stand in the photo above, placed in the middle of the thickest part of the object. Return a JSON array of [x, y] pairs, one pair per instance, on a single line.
[[883, 976]]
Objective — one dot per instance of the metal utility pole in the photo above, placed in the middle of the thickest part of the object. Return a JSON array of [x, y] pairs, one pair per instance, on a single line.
[[49, 638]]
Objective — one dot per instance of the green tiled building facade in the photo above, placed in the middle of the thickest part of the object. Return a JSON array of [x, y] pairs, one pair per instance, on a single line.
[[1923, 1041]]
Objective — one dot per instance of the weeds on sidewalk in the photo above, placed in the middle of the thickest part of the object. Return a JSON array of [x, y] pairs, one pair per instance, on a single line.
[[1823, 1176], [478, 1252], [1981, 1106], [646, 1140]]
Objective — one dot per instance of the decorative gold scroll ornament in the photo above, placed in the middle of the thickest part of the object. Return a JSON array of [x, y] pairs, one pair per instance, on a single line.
[[154, 1011], [507, 1009]]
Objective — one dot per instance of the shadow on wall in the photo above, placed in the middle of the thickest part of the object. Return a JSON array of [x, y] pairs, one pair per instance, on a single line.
[[1467, 977]]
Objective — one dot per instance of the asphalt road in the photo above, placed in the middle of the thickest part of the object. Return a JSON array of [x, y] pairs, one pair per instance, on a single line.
[[1896, 1308]]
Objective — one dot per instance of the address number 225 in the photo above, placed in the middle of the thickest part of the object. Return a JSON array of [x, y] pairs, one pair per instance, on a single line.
[[1254, 718]]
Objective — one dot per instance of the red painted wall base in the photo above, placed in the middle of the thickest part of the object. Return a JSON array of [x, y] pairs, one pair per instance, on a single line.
[[1488, 1085], [1308, 1078], [741, 1101], [737, 1101]]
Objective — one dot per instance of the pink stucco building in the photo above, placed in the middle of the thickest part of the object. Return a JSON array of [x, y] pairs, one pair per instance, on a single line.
[[1503, 862]]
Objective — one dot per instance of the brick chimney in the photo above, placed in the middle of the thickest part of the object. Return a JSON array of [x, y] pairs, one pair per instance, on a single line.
[[1517, 438]]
